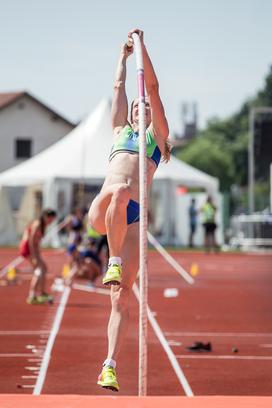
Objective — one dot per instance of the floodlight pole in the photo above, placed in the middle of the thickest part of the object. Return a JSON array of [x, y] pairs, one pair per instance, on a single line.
[[251, 164], [251, 159], [271, 187]]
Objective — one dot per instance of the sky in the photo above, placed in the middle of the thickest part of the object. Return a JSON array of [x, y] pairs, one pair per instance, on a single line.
[[215, 53]]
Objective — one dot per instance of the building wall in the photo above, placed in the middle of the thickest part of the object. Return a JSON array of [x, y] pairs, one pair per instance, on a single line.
[[27, 119]]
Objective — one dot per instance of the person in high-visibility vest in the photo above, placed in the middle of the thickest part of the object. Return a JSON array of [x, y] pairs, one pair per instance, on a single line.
[[208, 211], [115, 211]]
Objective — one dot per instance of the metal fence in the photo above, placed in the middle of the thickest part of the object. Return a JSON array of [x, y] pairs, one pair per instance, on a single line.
[[251, 231]]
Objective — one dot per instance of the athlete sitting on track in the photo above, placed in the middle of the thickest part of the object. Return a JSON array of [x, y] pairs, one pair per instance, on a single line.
[[30, 248], [86, 263], [115, 211], [91, 266]]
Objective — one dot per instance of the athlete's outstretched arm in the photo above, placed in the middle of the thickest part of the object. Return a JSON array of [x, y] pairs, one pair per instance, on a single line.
[[159, 121], [119, 109]]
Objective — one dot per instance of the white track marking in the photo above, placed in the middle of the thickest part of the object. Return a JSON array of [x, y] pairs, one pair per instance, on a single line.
[[216, 334], [34, 360], [51, 340], [170, 259], [265, 345], [36, 368], [223, 357], [181, 377], [3, 355], [174, 343], [23, 332], [12, 264], [29, 377], [85, 288]]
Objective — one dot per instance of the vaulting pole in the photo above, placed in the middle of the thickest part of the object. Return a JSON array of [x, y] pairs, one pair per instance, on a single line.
[[143, 220]]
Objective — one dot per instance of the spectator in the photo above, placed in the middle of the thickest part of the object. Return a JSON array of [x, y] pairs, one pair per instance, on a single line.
[[209, 211], [193, 221]]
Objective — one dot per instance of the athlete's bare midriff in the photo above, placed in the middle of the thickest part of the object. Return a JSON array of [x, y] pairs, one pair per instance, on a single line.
[[124, 168]]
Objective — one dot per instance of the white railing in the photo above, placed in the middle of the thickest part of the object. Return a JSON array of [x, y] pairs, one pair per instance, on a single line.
[[251, 230]]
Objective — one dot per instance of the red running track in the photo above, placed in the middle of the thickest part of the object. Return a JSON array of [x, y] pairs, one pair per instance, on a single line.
[[79, 401], [229, 306]]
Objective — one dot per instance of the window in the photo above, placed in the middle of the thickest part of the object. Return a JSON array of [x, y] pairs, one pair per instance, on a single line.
[[23, 148], [21, 105]]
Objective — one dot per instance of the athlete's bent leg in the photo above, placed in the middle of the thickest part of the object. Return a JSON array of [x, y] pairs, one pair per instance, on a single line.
[[116, 220], [109, 212], [99, 206]]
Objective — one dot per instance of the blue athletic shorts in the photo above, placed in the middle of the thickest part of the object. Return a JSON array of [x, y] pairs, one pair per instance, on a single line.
[[133, 212], [71, 248], [87, 253]]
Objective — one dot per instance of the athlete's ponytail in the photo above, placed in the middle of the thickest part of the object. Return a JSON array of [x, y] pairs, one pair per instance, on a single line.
[[167, 151]]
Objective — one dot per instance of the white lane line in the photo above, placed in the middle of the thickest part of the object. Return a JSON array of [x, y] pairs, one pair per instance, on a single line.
[[23, 332], [29, 377], [34, 360], [173, 342], [185, 275], [51, 340], [216, 334], [12, 264], [86, 288], [181, 377], [36, 368], [15, 355], [223, 357]]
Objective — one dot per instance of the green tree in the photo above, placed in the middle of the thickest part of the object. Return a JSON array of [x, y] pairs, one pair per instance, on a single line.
[[221, 148], [211, 157]]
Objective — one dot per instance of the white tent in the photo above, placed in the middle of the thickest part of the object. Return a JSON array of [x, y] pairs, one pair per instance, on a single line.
[[7, 226], [82, 156]]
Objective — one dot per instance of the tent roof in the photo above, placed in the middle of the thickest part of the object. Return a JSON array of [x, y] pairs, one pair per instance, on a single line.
[[183, 173], [83, 154]]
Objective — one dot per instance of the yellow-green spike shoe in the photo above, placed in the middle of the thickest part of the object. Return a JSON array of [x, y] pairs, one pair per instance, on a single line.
[[107, 379], [113, 275]]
